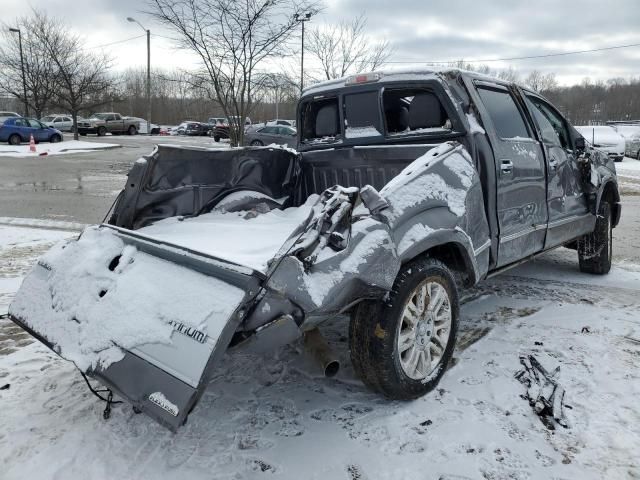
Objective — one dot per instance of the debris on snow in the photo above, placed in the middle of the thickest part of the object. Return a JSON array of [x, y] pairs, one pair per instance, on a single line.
[[544, 393]]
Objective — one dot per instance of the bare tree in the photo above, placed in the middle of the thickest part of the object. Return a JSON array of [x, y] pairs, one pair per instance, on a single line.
[[540, 82], [232, 39], [346, 48], [82, 77], [40, 70]]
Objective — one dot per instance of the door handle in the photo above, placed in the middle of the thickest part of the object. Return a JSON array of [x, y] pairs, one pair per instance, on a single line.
[[506, 167]]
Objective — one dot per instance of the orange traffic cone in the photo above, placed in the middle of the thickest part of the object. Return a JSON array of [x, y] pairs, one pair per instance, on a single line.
[[32, 144]]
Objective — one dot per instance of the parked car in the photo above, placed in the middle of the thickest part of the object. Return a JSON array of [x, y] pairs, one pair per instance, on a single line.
[[405, 189], [631, 134], [279, 121], [221, 130], [17, 130], [62, 122], [606, 139], [103, 123], [193, 129], [155, 129], [280, 135], [5, 115]]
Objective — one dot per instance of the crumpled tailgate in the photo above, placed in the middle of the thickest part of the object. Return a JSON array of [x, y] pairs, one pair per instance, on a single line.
[[147, 318]]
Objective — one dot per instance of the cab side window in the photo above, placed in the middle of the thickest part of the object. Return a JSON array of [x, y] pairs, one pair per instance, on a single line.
[[504, 113], [549, 134], [413, 110], [557, 122]]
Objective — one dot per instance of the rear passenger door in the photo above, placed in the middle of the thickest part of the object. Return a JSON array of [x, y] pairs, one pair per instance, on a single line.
[[520, 186]]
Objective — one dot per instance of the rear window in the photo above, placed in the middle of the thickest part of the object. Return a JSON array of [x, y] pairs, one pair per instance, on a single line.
[[413, 111], [362, 115], [320, 121], [504, 113]]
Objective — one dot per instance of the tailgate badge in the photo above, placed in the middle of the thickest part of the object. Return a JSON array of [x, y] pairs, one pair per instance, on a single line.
[[160, 400]]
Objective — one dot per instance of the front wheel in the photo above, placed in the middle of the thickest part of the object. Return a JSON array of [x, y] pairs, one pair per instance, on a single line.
[[216, 138], [55, 138], [102, 131], [256, 143], [132, 130], [595, 249], [401, 347]]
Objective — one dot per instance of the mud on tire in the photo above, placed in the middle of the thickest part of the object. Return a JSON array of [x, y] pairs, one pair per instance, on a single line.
[[596, 249], [376, 328]]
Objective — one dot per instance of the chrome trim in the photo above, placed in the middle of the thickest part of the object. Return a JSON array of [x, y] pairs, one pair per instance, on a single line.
[[564, 221], [521, 233], [482, 248]]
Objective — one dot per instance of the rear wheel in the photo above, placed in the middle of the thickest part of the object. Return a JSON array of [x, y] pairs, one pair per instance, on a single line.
[[55, 138], [14, 139], [595, 249], [256, 143], [216, 138], [401, 347], [102, 131]]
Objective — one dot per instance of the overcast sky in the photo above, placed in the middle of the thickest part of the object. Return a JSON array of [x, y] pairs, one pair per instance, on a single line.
[[419, 30]]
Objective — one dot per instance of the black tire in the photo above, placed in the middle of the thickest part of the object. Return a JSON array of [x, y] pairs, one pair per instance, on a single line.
[[55, 138], [638, 155], [102, 131], [216, 138], [256, 143], [132, 130], [595, 249], [375, 326], [15, 139]]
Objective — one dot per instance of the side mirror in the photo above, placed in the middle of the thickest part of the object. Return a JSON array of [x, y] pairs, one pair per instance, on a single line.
[[580, 143]]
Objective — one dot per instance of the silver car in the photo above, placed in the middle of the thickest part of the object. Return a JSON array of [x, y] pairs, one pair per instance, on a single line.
[[64, 123], [278, 134]]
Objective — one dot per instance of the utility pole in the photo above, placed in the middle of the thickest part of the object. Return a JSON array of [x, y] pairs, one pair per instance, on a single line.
[[24, 79], [302, 19], [130, 19]]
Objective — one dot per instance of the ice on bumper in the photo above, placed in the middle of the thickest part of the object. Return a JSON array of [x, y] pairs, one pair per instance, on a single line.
[[95, 297]]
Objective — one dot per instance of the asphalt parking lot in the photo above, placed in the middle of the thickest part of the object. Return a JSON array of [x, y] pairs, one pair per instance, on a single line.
[[77, 187]]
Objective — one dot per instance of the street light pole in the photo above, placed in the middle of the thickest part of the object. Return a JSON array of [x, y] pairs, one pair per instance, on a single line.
[[24, 79], [302, 19], [130, 19]]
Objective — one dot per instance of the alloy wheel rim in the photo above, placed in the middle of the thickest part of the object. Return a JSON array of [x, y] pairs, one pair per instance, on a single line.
[[424, 330]]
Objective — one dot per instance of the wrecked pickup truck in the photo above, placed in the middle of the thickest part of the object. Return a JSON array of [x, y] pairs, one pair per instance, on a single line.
[[406, 187]]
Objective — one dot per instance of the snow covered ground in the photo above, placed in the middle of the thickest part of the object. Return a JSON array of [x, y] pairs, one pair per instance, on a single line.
[[68, 146], [629, 175], [276, 417]]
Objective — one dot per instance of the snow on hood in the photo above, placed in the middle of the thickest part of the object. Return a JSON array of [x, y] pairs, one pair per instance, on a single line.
[[91, 312]]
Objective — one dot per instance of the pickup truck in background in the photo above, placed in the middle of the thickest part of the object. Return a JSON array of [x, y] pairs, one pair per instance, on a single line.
[[406, 188], [103, 123]]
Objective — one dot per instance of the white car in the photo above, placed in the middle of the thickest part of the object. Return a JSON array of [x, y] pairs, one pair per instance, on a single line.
[[155, 129], [631, 134], [604, 138], [62, 122], [5, 115]]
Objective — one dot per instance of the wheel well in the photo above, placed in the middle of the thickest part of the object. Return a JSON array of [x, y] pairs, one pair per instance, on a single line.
[[454, 256], [610, 194]]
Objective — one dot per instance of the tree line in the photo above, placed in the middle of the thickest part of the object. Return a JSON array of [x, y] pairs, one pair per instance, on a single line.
[[237, 43]]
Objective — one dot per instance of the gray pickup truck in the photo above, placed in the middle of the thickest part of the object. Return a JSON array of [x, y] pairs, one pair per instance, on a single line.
[[103, 123], [406, 187]]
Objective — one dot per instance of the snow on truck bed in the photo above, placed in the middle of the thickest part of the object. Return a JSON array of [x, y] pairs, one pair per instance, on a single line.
[[250, 242]]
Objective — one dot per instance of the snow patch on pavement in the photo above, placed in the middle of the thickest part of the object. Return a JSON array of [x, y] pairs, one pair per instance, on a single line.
[[67, 146]]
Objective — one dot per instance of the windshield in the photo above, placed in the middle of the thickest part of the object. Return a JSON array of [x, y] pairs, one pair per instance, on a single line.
[[48, 119]]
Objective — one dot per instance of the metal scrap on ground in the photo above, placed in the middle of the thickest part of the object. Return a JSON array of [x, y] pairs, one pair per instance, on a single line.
[[544, 393]]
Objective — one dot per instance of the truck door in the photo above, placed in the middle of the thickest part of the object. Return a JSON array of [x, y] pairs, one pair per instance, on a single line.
[[566, 199], [520, 174]]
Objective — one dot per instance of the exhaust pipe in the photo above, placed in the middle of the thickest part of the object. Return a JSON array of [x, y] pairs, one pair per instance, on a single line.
[[317, 346]]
